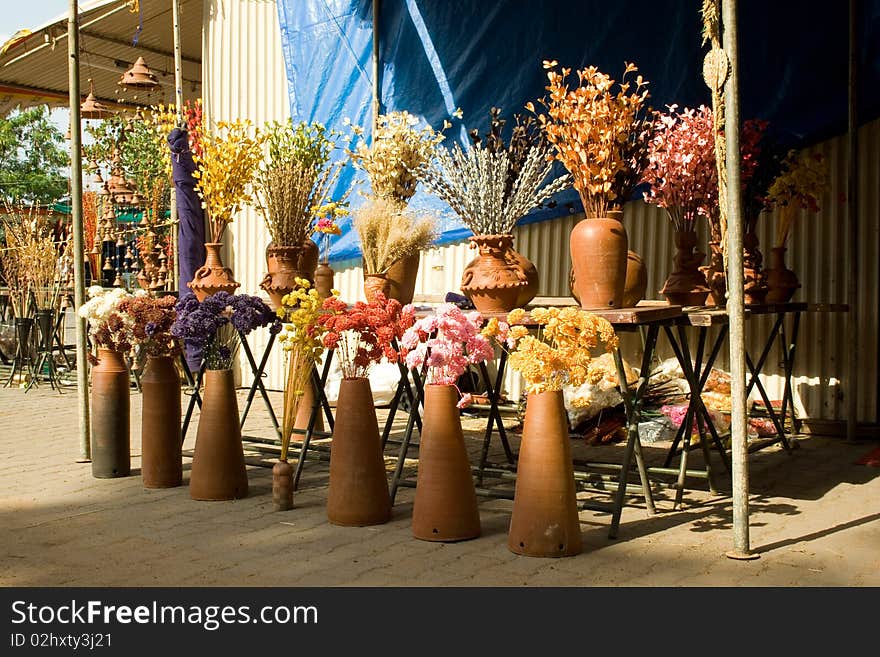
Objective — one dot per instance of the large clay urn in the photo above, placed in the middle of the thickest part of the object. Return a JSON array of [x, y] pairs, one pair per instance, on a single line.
[[445, 507], [636, 281], [599, 258], [782, 282], [545, 520], [686, 285], [218, 468], [358, 491], [402, 278], [212, 277], [161, 459], [110, 439], [494, 281], [282, 264]]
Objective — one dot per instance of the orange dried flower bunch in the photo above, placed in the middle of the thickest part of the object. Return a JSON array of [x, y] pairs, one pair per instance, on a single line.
[[601, 131]]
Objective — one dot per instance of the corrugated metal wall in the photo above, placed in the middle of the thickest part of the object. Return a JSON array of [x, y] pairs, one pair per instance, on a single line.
[[244, 77]]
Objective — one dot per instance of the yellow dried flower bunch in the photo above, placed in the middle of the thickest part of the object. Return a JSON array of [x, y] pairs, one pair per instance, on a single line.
[[226, 165], [561, 353], [397, 150], [601, 131]]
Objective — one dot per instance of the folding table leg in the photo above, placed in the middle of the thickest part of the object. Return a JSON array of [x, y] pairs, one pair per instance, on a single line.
[[407, 435], [318, 382], [257, 384]]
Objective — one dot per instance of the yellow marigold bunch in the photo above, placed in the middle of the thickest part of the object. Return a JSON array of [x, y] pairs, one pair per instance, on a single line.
[[226, 165], [561, 353]]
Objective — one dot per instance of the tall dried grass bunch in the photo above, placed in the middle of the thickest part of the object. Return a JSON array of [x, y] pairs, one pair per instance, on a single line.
[[390, 232]]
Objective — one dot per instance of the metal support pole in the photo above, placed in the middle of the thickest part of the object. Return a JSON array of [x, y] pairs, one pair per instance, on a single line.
[[852, 203], [76, 210], [377, 85], [735, 291], [178, 104]]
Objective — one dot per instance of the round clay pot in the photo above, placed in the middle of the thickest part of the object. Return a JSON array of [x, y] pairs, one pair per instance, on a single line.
[[445, 507], [636, 281], [715, 276], [755, 280], [545, 520], [212, 277], [218, 468], [375, 283], [782, 282], [110, 447], [526, 266], [402, 278], [598, 255], [281, 281], [494, 280], [282, 486], [161, 459], [686, 285], [358, 491], [324, 279]]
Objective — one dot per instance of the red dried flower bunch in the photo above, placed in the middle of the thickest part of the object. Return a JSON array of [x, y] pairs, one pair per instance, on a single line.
[[365, 332]]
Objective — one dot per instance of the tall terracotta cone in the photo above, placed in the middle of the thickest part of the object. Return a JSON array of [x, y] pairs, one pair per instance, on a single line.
[[358, 492], [545, 521], [445, 507], [304, 410], [161, 459], [110, 439]]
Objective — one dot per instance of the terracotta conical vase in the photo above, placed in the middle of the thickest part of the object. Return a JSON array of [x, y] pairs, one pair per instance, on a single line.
[[599, 258], [545, 520], [636, 281], [686, 285], [282, 269], [445, 507], [754, 279], [494, 281], [782, 282], [358, 491], [324, 279], [402, 278], [218, 468], [110, 411], [213, 276], [715, 276], [161, 459], [304, 410], [375, 283]]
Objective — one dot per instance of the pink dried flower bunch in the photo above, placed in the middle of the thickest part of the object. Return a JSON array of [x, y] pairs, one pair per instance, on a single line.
[[450, 340]]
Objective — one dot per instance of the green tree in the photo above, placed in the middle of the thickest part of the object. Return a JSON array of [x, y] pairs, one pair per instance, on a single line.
[[32, 157]]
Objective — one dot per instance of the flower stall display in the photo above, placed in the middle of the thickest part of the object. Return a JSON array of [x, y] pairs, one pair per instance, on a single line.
[[444, 345], [491, 185], [601, 131], [151, 319], [545, 516], [392, 234], [226, 164], [683, 180], [110, 331], [292, 185], [360, 336], [801, 184], [217, 325], [301, 339]]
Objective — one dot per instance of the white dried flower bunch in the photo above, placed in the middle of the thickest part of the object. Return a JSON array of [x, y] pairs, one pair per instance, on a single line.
[[474, 182], [397, 150]]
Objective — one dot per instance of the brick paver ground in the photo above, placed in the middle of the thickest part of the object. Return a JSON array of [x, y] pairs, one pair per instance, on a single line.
[[815, 521]]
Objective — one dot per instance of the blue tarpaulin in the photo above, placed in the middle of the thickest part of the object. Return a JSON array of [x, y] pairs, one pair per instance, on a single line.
[[439, 56]]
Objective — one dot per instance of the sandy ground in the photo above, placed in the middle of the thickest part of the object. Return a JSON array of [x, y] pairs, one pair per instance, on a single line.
[[815, 521]]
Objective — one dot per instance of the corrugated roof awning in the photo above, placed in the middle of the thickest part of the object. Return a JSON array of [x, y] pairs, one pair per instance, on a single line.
[[34, 68]]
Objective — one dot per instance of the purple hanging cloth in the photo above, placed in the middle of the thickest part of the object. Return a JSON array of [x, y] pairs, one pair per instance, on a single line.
[[191, 230]]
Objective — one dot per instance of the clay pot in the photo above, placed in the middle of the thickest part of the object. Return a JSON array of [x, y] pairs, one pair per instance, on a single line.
[[212, 277], [358, 491], [282, 486], [282, 262], [304, 410], [324, 279], [308, 259], [715, 276], [445, 507], [686, 285], [218, 469], [494, 280], [375, 283], [599, 255], [755, 280], [545, 520], [161, 459], [110, 446], [636, 281], [402, 278], [782, 282]]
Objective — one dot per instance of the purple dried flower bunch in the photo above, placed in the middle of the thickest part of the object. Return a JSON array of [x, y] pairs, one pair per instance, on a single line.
[[218, 324]]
